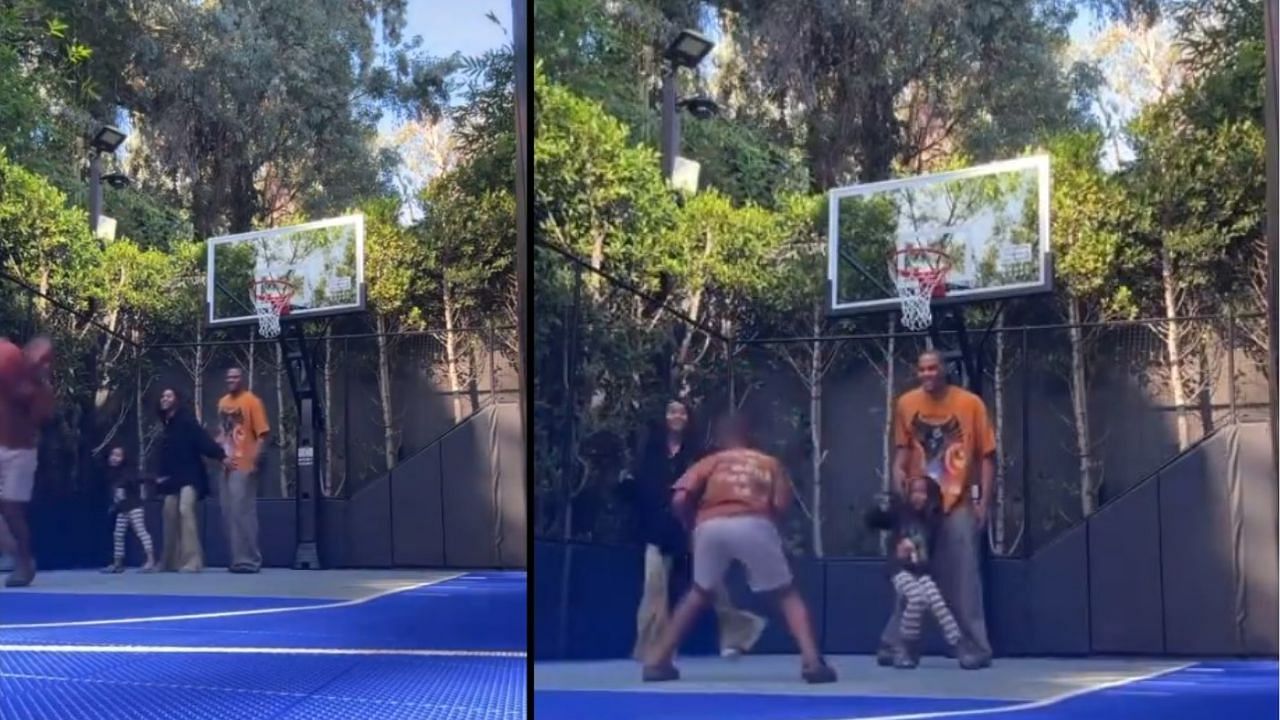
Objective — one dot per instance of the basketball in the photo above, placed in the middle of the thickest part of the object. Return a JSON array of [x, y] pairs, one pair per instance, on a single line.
[[13, 363]]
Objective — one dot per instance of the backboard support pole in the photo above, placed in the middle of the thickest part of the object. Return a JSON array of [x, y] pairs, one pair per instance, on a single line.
[[309, 451]]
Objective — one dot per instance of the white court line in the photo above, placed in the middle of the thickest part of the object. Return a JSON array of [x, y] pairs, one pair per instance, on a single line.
[[1036, 705], [197, 650], [233, 613]]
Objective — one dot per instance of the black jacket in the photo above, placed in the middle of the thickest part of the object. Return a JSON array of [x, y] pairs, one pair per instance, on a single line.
[[125, 487], [895, 515], [184, 445], [649, 493]]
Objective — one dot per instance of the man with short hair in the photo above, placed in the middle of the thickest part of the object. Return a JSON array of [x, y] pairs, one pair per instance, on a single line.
[[942, 432], [24, 409], [244, 427]]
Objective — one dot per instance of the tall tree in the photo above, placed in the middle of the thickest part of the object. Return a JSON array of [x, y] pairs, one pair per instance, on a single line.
[[867, 87], [248, 110]]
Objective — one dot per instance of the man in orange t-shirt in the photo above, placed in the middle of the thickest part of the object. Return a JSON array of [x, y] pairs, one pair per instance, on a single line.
[[738, 494], [244, 427], [942, 432]]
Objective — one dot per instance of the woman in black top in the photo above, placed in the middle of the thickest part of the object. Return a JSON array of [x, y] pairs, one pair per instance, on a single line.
[[126, 504], [668, 450], [181, 479]]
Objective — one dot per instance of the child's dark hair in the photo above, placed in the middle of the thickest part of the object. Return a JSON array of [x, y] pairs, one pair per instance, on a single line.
[[933, 503]]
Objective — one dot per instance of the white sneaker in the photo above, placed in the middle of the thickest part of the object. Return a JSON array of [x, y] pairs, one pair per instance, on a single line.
[[758, 624]]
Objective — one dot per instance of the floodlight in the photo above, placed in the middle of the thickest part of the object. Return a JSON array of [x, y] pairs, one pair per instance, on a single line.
[[688, 49], [107, 139]]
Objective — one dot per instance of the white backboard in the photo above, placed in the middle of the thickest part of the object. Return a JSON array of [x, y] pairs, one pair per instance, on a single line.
[[322, 261], [990, 221]]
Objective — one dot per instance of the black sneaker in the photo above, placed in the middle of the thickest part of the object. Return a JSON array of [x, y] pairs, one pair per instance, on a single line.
[[660, 673], [884, 656], [970, 657], [242, 570], [904, 659], [818, 674]]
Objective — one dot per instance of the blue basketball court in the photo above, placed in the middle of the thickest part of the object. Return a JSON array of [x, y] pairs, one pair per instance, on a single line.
[[318, 644]]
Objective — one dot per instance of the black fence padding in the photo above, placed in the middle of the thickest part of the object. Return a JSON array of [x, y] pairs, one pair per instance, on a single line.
[[548, 557], [333, 528], [417, 516], [1125, 605], [1007, 610], [858, 603], [1260, 562], [1058, 597], [70, 534], [604, 591], [213, 537], [513, 501], [277, 531], [368, 527], [1199, 577], [468, 495]]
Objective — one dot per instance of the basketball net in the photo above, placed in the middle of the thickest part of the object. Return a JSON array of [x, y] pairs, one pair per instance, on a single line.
[[916, 285], [271, 299]]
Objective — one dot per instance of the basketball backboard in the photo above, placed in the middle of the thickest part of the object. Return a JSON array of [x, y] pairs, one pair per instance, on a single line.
[[319, 266], [989, 224]]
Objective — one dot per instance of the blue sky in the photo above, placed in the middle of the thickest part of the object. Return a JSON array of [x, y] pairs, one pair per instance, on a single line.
[[449, 26]]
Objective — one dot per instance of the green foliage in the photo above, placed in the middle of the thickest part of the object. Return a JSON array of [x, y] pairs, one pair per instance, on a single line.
[[594, 193], [1091, 217]]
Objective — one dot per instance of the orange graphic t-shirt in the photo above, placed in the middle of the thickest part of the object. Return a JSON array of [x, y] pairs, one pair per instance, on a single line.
[[946, 436], [243, 420], [737, 482]]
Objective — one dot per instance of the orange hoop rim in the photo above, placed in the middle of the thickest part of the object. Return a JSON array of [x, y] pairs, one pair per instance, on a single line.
[[278, 298], [937, 273]]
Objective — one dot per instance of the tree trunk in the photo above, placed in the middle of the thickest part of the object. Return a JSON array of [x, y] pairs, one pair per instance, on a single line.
[[197, 376], [691, 308], [997, 516], [1080, 411], [384, 393], [285, 440], [886, 440], [815, 428], [451, 353], [330, 436], [1173, 347]]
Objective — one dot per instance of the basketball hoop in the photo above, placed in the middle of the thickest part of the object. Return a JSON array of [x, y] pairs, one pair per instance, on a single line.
[[920, 275], [271, 298]]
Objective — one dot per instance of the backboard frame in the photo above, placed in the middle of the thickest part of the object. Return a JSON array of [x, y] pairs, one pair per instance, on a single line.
[[212, 286], [1044, 284]]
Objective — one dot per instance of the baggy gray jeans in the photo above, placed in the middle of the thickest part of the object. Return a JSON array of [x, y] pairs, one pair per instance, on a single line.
[[238, 496], [956, 570]]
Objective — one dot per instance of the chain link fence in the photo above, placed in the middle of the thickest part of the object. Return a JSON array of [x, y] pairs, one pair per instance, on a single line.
[[385, 395], [1082, 411]]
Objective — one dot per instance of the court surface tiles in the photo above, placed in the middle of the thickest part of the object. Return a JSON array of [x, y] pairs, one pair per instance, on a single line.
[[282, 644], [769, 688]]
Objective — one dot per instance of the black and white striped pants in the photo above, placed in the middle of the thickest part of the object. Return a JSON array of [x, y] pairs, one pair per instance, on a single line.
[[917, 594], [134, 517]]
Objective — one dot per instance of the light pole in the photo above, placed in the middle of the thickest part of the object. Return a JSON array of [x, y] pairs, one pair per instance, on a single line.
[[106, 140], [687, 51]]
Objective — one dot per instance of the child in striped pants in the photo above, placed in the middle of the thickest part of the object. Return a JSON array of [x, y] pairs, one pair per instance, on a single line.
[[126, 504], [914, 524]]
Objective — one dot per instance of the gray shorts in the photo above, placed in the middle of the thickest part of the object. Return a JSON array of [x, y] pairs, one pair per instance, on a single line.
[[751, 540]]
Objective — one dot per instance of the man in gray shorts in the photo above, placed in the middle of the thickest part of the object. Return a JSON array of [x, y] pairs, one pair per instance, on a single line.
[[739, 493]]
